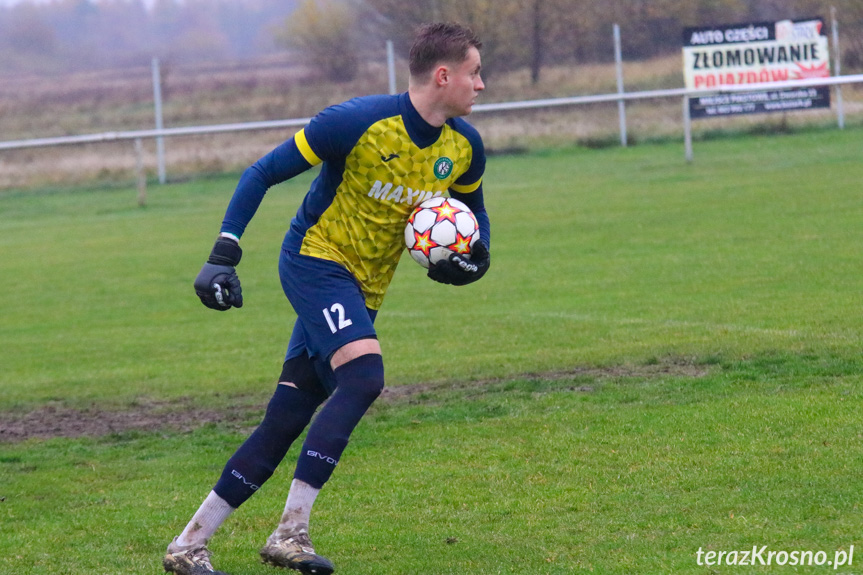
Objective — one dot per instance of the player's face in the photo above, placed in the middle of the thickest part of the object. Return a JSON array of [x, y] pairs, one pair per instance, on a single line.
[[465, 84]]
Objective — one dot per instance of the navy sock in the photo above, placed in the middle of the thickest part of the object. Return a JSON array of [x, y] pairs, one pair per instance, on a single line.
[[359, 382], [288, 413]]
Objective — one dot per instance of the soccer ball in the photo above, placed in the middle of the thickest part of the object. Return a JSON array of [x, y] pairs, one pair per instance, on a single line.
[[439, 227]]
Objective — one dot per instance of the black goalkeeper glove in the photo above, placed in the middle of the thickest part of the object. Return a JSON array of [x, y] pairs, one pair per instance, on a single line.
[[458, 270], [217, 283]]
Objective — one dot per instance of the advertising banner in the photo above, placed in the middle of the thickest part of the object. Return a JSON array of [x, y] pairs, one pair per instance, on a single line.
[[729, 55]]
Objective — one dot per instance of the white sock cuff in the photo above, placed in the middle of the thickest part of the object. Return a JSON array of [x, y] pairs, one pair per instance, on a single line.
[[302, 491], [209, 517], [298, 507]]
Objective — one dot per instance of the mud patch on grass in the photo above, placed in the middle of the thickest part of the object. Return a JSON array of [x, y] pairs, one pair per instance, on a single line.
[[55, 420], [661, 368], [183, 415]]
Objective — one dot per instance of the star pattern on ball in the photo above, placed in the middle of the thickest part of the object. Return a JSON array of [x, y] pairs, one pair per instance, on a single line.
[[423, 243], [461, 244], [445, 211]]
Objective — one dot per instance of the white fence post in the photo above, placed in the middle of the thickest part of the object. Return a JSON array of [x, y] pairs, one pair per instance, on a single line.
[[837, 58], [391, 66], [621, 106], [687, 129], [160, 141], [140, 176]]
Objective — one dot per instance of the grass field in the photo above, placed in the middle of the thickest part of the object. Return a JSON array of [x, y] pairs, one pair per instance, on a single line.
[[664, 358]]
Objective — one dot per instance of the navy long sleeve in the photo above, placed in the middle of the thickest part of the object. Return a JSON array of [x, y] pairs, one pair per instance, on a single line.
[[280, 165], [475, 202]]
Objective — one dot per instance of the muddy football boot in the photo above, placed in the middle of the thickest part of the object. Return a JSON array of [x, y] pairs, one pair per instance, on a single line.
[[296, 552], [188, 560]]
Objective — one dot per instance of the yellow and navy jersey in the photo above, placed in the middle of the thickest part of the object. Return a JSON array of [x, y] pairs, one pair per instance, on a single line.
[[379, 159]]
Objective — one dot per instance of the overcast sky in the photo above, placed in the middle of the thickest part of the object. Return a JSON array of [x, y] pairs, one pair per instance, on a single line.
[[13, 2]]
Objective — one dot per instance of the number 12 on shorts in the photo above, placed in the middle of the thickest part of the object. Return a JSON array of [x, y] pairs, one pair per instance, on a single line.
[[339, 311]]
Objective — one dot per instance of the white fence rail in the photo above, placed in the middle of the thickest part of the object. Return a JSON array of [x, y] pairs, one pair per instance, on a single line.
[[619, 97], [145, 134]]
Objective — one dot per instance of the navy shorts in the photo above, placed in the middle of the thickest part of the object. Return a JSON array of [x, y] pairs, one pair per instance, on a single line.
[[330, 306]]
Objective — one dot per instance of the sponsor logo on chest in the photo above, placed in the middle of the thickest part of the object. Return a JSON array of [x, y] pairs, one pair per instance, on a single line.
[[389, 192]]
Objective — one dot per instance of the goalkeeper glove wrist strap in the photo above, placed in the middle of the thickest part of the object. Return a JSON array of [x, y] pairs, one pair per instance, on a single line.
[[226, 252]]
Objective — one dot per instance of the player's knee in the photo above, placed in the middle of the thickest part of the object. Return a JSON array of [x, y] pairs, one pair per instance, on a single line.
[[299, 372], [362, 377], [371, 389], [364, 392], [289, 408]]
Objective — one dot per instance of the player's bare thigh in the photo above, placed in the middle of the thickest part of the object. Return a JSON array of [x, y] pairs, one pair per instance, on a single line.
[[353, 350]]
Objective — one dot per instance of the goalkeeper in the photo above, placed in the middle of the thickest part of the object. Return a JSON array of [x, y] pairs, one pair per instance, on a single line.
[[379, 156]]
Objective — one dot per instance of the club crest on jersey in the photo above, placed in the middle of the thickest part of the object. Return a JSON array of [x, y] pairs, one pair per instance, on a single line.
[[443, 168]]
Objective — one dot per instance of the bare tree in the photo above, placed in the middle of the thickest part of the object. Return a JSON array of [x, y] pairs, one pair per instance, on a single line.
[[323, 31]]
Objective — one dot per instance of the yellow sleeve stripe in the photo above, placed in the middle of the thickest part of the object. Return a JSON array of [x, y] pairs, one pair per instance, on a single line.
[[467, 188], [305, 148]]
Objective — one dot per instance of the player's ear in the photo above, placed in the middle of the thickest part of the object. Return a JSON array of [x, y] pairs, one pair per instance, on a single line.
[[441, 75]]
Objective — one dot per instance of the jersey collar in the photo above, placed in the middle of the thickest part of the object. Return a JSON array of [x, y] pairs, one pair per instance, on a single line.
[[421, 132]]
